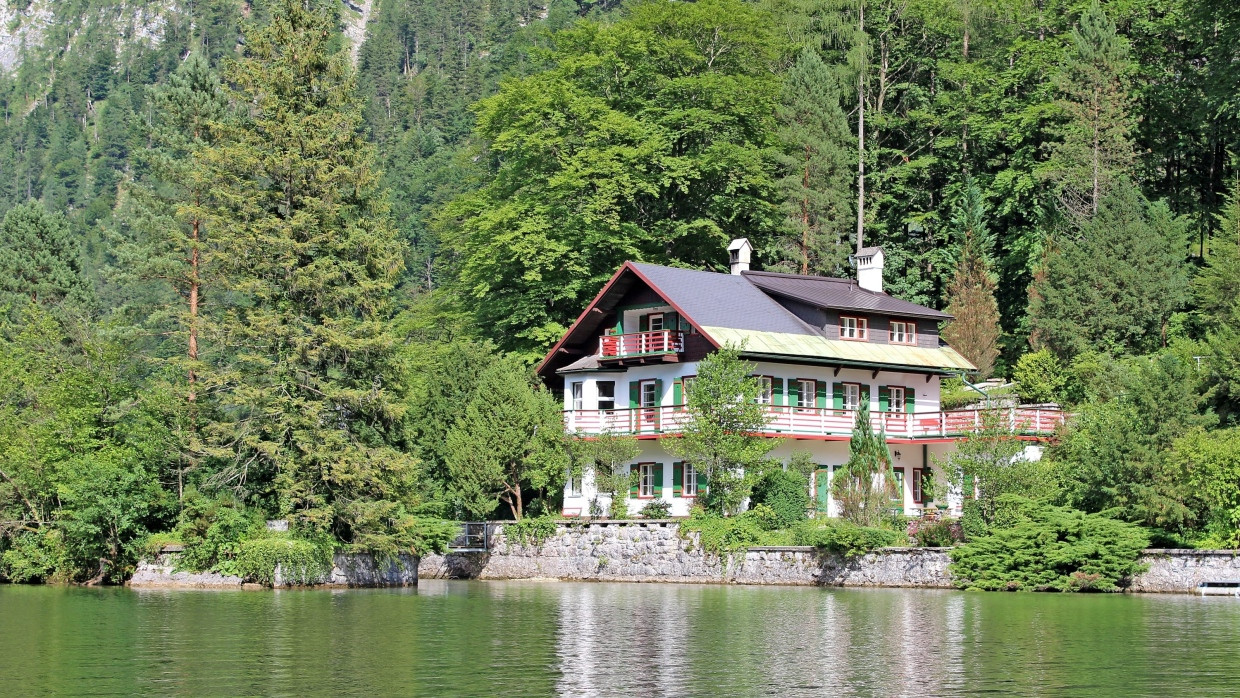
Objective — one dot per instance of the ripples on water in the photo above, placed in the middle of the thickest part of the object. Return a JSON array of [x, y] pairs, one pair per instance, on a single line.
[[537, 639]]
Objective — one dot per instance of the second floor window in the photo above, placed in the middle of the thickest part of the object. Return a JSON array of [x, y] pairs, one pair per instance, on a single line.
[[606, 395], [853, 327], [902, 332], [852, 396], [578, 396], [650, 396], [895, 399], [655, 322], [765, 391], [805, 396]]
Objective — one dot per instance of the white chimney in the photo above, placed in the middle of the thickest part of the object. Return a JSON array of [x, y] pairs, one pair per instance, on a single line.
[[739, 251], [869, 261]]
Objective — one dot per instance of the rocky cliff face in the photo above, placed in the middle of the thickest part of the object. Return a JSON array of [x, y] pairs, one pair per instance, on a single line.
[[21, 24]]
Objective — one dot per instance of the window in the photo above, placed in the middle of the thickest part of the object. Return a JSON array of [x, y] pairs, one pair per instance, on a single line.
[[574, 486], [686, 384], [895, 397], [655, 322], [898, 498], [578, 398], [919, 485], [853, 327], [649, 394], [606, 395], [765, 390], [645, 482], [806, 390], [852, 396], [689, 486], [902, 332]]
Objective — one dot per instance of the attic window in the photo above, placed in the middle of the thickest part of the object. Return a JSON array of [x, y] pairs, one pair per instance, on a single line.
[[902, 332], [853, 327]]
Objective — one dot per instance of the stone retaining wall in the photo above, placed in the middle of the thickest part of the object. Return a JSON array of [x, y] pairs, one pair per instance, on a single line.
[[348, 570], [653, 551]]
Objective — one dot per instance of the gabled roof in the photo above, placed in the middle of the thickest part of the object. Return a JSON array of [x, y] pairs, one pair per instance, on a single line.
[[838, 294], [730, 308]]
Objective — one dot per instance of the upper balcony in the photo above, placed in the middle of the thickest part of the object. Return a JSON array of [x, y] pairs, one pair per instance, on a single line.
[[662, 345], [826, 423]]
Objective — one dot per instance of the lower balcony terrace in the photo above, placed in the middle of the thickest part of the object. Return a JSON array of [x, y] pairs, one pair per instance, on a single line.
[[823, 423]]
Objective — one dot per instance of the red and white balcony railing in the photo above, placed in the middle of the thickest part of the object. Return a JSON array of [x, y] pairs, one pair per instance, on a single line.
[[812, 421], [618, 346]]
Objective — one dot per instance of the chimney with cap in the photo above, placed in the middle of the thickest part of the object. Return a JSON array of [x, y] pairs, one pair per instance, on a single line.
[[739, 251], [869, 261]]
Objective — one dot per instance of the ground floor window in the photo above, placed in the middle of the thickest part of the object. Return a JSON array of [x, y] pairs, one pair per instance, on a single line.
[[645, 482], [689, 487], [574, 486]]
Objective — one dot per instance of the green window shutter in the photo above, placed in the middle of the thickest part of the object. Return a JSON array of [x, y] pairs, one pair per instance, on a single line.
[[678, 393], [619, 323], [794, 392], [865, 396], [635, 394], [658, 391], [671, 321], [634, 481], [701, 478], [884, 398], [658, 480], [822, 394], [910, 401], [643, 323], [838, 395], [678, 477]]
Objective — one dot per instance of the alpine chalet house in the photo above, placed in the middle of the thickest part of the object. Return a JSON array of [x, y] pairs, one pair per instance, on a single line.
[[819, 347]]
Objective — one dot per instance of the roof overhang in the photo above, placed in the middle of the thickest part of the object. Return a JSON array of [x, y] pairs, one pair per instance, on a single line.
[[814, 349]]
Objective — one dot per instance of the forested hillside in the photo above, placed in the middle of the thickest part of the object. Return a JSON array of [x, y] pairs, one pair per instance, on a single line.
[[258, 255]]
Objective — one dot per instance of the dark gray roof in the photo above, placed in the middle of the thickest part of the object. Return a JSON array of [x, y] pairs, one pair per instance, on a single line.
[[712, 299], [837, 294]]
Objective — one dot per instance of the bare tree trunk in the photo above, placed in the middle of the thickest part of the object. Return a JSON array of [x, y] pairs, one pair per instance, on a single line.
[[805, 215], [193, 305], [860, 135]]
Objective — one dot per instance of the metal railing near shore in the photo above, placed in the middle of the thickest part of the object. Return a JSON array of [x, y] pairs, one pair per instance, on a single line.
[[815, 421], [474, 537]]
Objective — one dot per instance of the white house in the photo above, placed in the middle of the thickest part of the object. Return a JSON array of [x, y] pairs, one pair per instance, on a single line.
[[820, 346]]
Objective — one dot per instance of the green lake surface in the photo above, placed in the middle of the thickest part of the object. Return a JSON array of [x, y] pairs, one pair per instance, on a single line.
[[449, 638]]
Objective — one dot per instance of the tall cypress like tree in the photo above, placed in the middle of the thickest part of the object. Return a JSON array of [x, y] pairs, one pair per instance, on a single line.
[[971, 295], [817, 183], [305, 386]]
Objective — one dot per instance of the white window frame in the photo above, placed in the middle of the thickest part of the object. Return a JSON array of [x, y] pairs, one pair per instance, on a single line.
[[907, 334], [852, 396], [686, 382], [645, 480], [688, 487], [766, 390], [578, 392], [574, 486], [853, 327], [894, 405], [650, 319], [806, 398], [653, 394], [602, 399]]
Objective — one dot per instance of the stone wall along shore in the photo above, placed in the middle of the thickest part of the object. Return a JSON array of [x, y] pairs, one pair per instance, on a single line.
[[348, 570]]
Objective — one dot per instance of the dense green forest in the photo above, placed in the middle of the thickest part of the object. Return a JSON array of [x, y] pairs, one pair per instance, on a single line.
[[252, 268]]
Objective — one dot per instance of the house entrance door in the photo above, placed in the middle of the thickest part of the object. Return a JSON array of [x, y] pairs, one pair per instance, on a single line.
[[822, 491]]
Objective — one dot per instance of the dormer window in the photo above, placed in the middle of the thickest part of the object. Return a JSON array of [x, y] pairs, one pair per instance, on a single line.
[[902, 332], [853, 327]]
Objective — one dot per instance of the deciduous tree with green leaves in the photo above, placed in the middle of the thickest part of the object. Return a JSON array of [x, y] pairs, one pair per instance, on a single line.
[[718, 435]]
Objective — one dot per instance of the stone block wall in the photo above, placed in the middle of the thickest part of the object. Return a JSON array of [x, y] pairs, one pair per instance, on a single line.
[[348, 570], [1180, 571]]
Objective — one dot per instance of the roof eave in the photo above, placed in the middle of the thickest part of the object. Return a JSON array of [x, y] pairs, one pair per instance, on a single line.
[[848, 363]]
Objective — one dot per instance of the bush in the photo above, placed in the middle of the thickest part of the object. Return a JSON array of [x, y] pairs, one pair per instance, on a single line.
[[657, 509], [943, 533], [849, 539], [36, 557], [1039, 377], [212, 531], [301, 562], [721, 535], [972, 525], [786, 493], [530, 531], [1049, 549]]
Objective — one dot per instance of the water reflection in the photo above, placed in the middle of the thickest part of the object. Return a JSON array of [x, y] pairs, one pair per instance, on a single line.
[[540, 639]]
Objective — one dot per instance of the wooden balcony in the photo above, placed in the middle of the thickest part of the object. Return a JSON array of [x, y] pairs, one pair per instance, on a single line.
[[637, 345], [821, 423]]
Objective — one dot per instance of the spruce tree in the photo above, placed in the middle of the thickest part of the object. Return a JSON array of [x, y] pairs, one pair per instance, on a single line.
[[305, 388], [866, 484], [39, 261], [817, 183], [971, 295]]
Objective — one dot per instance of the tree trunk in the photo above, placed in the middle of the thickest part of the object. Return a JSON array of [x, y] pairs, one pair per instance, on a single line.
[[860, 135], [805, 215]]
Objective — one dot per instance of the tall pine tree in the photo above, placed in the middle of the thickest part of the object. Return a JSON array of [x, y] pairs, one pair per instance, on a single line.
[[306, 391]]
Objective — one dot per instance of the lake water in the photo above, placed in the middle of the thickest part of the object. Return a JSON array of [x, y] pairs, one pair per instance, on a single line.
[[450, 638]]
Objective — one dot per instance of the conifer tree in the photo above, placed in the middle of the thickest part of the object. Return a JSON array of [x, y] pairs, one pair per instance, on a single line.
[[816, 184], [971, 295], [306, 383], [1217, 287], [39, 261], [1097, 142], [866, 484]]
